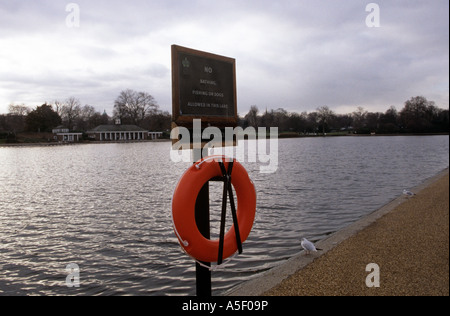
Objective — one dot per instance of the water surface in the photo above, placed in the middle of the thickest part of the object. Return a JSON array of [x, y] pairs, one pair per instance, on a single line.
[[106, 207]]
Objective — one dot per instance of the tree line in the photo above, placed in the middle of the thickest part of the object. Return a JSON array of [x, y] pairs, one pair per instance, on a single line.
[[417, 116], [131, 107], [139, 108]]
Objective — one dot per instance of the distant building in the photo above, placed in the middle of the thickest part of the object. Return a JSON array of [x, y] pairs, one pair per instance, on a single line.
[[63, 134], [60, 129], [118, 132], [155, 135]]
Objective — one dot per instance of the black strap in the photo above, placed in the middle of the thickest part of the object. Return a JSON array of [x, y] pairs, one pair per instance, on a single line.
[[228, 190]]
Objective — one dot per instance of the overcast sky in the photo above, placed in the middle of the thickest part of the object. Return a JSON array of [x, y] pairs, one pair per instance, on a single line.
[[295, 54]]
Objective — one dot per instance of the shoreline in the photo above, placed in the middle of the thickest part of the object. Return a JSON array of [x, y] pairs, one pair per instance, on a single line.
[[81, 143], [332, 271], [288, 136], [280, 136]]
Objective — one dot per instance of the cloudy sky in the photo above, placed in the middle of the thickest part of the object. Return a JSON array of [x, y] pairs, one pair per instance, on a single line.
[[295, 54]]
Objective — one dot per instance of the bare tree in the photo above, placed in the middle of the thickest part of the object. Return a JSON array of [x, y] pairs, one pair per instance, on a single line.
[[19, 110], [87, 112], [359, 118], [84, 120], [134, 106], [418, 113], [324, 116], [57, 107], [70, 111], [252, 116], [16, 117]]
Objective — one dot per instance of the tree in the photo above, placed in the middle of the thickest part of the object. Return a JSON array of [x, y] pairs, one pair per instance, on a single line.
[[16, 117], [373, 122], [70, 111], [388, 121], [359, 119], [280, 119], [312, 123], [324, 116], [88, 118], [43, 119], [19, 110], [441, 121], [57, 106], [417, 115], [344, 122], [158, 121], [267, 119], [297, 122], [252, 116], [133, 107]]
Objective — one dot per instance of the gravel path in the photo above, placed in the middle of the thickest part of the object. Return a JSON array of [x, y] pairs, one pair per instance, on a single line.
[[409, 244]]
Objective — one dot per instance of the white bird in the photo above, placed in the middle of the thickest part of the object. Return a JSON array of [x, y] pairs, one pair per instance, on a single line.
[[408, 193], [308, 246]]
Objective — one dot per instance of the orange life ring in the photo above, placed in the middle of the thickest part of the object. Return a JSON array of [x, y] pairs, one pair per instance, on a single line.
[[183, 208]]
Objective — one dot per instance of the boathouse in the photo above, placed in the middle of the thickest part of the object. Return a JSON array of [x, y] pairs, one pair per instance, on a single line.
[[63, 135], [155, 135], [118, 132]]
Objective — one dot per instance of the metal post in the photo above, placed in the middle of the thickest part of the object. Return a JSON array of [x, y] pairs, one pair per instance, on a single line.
[[203, 275]]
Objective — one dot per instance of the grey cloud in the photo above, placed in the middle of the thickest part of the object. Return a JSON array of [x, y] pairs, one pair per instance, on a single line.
[[296, 54]]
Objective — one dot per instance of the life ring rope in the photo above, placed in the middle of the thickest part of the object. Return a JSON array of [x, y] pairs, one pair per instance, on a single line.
[[211, 158], [184, 242]]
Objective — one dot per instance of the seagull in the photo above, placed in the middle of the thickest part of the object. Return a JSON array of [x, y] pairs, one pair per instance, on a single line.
[[308, 246], [408, 193]]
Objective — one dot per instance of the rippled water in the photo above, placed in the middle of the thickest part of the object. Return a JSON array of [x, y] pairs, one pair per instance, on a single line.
[[106, 207]]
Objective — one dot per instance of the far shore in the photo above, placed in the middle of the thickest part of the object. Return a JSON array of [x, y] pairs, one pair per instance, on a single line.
[[292, 135], [50, 144], [280, 136]]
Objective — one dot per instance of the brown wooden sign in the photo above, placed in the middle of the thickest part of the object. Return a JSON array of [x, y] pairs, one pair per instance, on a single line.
[[203, 87]]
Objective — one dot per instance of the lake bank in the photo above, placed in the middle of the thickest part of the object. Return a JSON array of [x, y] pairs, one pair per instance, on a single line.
[[407, 239], [79, 143], [282, 135], [341, 134]]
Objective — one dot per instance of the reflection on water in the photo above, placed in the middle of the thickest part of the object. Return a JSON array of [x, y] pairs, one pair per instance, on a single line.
[[106, 207]]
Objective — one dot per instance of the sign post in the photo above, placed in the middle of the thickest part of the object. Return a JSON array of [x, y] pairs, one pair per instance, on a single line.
[[203, 87], [202, 274]]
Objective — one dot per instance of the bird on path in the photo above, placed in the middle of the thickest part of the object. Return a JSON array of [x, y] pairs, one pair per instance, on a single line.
[[408, 193], [308, 246]]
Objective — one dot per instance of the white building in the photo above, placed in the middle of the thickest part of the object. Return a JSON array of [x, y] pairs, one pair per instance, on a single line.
[[63, 134], [118, 133]]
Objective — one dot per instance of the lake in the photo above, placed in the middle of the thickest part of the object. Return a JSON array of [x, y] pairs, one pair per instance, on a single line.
[[106, 208]]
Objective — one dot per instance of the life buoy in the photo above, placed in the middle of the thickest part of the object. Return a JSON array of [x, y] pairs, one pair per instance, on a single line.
[[183, 208]]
